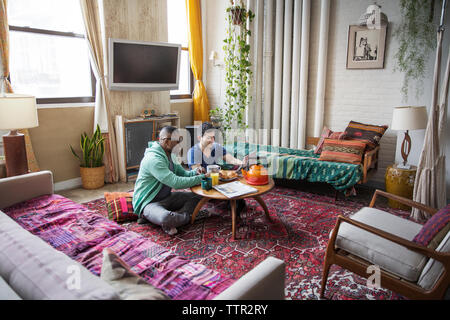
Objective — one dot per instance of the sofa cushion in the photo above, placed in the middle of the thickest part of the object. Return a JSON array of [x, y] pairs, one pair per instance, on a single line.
[[348, 151], [6, 292], [126, 282], [435, 229], [434, 269], [37, 271], [82, 234], [368, 133], [388, 255]]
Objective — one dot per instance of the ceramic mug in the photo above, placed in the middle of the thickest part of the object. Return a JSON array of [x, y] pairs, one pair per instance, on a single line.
[[207, 183], [212, 168]]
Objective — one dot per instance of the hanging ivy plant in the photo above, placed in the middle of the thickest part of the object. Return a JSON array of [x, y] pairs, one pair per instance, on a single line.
[[237, 65], [416, 35]]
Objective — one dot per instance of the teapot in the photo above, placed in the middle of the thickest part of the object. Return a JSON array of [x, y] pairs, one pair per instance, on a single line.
[[256, 175]]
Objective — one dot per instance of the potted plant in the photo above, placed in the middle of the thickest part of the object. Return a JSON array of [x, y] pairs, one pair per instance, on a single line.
[[92, 169], [237, 66], [238, 13], [416, 34], [215, 115]]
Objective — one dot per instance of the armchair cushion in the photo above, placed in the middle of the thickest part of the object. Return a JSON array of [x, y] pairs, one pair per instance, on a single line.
[[390, 256], [435, 229], [433, 269]]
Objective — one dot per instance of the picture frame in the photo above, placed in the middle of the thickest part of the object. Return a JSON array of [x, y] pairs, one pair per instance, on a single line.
[[366, 47]]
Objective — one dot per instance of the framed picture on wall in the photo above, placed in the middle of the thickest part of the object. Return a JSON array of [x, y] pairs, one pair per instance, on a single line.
[[365, 48]]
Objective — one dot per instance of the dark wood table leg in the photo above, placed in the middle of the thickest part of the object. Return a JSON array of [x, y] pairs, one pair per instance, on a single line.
[[263, 205], [233, 218], [198, 207]]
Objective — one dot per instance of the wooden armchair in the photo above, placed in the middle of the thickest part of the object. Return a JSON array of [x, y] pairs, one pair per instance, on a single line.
[[406, 268]]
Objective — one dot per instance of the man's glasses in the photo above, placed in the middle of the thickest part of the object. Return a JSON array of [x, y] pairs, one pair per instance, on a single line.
[[178, 141]]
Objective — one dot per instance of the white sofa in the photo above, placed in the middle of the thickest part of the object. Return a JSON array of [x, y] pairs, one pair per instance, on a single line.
[[32, 269]]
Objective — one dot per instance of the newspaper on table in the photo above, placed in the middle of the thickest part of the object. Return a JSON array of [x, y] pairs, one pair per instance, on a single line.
[[234, 189]]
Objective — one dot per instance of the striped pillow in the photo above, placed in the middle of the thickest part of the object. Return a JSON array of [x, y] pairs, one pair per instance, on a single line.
[[327, 133], [350, 151], [435, 229], [120, 206], [368, 133]]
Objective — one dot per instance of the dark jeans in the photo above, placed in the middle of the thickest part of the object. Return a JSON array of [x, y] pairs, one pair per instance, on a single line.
[[172, 212]]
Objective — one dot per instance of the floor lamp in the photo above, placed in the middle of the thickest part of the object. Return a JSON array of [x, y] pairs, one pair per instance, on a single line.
[[17, 111]]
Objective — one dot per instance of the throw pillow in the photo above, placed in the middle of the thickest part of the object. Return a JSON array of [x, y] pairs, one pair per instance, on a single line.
[[120, 206], [433, 231], [327, 133], [350, 151], [129, 285], [368, 133]]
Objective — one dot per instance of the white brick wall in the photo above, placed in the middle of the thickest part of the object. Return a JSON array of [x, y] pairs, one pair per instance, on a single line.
[[361, 95]]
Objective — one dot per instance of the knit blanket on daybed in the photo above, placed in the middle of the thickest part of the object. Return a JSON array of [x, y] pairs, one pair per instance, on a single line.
[[287, 163], [83, 234]]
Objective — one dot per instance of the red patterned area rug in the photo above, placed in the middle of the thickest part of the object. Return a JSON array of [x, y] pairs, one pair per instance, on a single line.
[[298, 235]]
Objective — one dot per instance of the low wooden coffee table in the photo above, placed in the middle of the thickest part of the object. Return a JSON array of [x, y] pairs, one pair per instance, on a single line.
[[214, 194]]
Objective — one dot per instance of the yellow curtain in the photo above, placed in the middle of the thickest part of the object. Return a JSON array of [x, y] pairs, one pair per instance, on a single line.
[[201, 103], [4, 46]]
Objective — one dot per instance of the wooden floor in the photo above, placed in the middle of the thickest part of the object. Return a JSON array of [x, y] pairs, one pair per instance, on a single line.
[[81, 195]]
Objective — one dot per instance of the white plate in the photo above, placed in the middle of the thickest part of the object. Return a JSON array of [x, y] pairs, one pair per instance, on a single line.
[[228, 180]]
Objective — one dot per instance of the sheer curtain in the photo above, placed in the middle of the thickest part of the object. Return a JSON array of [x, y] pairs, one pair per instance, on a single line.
[[279, 56], [91, 17], [430, 185], [5, 85]]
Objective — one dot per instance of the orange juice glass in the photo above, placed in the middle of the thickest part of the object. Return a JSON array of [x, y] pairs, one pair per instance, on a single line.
[[215, 178]]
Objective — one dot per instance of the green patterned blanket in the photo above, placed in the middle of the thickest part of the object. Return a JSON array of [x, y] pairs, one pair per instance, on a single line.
[[285, 163]]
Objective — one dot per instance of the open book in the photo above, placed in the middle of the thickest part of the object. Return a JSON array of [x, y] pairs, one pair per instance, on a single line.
[[234, 189]]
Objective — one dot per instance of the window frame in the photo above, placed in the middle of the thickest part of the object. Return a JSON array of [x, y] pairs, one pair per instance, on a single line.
[[60, 100], [190, 85]]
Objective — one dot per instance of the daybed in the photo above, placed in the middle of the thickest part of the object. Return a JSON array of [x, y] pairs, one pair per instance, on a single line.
[[286, 163], [44, 237]]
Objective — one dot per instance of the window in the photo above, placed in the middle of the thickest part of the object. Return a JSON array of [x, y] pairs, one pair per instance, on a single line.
[[178, 33], [49, 57]]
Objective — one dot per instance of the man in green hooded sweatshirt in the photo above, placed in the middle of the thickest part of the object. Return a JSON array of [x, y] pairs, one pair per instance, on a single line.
[[153, 199]]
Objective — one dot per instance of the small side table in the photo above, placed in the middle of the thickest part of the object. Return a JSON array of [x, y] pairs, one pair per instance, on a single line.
[[401, 183]]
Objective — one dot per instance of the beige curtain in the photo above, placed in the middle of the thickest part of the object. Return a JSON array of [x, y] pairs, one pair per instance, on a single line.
[[103, 116], [4, 82], [430, 185]]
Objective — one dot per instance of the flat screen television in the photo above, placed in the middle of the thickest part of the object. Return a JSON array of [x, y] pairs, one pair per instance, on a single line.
[[138, 65]]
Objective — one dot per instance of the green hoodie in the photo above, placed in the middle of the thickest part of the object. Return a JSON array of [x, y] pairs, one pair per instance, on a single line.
[[154, 171]]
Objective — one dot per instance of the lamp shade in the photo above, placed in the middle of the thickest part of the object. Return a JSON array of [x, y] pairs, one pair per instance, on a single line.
[[18, 111], [409, 118]]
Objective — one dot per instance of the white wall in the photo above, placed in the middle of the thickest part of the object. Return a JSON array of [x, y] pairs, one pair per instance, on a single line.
[[361, 95], [215, 33]]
